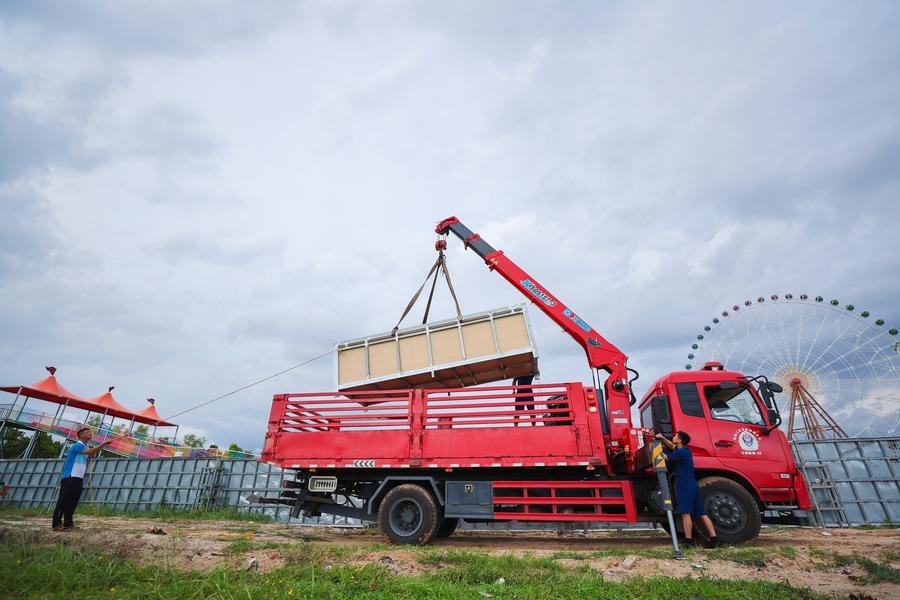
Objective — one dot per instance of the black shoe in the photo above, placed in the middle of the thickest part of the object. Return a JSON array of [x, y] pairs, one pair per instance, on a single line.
[[712, 543], [689, 543]]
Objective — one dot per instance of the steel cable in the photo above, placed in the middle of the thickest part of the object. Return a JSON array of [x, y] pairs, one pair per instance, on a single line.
[[250, 385]]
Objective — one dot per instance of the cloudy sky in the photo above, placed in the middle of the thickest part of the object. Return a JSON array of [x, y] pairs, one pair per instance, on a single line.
[[197, 195]]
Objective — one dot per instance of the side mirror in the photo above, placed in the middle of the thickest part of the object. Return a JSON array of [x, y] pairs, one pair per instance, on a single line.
[[662, 418], [774, 417], [774, 387]]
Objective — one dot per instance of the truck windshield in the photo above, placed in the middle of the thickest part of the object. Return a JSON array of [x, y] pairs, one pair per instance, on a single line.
[[737, 405]]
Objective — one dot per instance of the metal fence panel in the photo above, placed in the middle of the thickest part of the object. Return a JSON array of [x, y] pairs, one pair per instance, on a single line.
[[145, 484], [864, 474]]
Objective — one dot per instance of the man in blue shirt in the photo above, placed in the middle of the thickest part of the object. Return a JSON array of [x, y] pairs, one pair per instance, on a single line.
[[73, 477], [687, 491]]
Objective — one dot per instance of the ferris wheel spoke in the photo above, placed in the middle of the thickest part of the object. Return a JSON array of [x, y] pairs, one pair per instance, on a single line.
[[768, 366], [799, 345], [773, 347], [815, 340], [839, 335], [784, 337], [885, 360], [853, 350]]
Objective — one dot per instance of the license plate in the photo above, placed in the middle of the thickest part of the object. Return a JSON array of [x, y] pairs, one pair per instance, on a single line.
[[322, 484]]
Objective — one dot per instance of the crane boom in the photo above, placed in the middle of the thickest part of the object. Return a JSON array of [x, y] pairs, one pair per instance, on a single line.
[[601, 353]]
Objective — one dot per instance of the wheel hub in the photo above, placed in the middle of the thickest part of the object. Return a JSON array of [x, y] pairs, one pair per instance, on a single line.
[[406, 516], [726, 512]]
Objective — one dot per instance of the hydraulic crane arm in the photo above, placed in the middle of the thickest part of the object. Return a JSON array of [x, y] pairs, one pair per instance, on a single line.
[[601, 353]]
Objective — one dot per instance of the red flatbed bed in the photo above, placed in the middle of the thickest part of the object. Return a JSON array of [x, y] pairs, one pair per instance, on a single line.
[[486, 427]]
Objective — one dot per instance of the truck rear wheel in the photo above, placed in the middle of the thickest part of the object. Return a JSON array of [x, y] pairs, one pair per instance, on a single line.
[[732, 509], [447, 527], [409, 515]]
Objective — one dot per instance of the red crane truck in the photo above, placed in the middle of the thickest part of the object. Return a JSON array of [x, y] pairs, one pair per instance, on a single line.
[[418, 460]]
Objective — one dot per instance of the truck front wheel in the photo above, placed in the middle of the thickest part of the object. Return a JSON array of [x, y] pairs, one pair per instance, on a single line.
[[732, 509], [409, 515]]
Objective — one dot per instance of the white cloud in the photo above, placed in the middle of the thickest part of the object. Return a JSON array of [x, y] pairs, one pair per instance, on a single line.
[[196, 199]]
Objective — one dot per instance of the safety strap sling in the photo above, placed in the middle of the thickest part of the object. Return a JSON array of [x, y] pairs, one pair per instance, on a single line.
[[439, 267]]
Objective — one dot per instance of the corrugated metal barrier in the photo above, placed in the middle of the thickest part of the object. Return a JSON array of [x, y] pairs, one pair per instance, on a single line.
[[142, 484], [853, 481]]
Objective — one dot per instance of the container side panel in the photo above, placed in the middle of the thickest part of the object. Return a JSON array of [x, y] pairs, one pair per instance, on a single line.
[[481, 348], [479, 339], [445, 346], [414, 353], [383, 359], [351, 365], [512, 333]]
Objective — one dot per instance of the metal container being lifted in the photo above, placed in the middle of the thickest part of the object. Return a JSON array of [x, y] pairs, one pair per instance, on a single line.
[[479, 348]]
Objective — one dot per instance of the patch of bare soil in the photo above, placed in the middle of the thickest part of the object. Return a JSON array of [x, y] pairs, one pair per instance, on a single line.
[[796, 556]]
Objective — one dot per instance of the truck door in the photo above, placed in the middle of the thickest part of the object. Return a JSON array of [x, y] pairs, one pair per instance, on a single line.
[[736, 427], [688, 415]]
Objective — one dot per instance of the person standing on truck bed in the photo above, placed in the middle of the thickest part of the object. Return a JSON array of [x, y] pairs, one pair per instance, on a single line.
[[687, 490]]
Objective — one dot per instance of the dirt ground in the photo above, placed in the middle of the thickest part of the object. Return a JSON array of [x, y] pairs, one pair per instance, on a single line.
[[792, 555]]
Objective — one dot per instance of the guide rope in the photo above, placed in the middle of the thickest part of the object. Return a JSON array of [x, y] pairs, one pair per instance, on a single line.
[[250, 385]]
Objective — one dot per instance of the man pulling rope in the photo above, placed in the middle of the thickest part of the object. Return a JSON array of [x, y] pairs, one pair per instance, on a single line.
[[72, 480]]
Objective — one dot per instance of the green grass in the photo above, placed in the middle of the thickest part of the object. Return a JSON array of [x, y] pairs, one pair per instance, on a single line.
[[876, 571], [244, 546], [66, 571], [163, 513], [890, 555], [615, 552]]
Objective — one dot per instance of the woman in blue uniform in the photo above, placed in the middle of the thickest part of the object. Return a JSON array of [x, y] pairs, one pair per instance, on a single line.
[[687, 491]]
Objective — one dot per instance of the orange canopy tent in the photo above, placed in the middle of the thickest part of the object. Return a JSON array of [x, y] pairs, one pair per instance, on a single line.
[[150, 413], [108, 405], [50, 390]]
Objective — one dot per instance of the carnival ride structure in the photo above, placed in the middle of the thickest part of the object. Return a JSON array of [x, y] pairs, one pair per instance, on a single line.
[[839, 366], [125, 440]]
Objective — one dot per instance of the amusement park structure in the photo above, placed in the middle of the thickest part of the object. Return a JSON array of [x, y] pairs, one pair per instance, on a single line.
[[840, 366], [815, 423], [125, 440]]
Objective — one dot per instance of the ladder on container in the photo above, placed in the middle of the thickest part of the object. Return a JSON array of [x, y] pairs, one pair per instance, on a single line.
[[818, 478], [208, 487]]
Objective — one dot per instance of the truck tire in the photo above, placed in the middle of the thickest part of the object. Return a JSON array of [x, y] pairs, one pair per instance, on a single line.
[[408, 514], [447, 527], [732, 508]]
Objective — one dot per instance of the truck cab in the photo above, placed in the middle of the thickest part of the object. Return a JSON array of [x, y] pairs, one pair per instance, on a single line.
[[740, 453]]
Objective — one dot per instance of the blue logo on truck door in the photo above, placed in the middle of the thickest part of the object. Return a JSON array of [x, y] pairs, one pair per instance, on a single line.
[[541, 294]]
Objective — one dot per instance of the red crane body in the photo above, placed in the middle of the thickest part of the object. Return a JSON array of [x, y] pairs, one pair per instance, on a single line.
[[601, 353]]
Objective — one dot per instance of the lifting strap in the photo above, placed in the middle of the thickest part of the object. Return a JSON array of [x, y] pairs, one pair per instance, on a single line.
[[437, 269]]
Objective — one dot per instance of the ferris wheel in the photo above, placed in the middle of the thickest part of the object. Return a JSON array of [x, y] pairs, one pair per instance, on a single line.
[[839, 367]]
